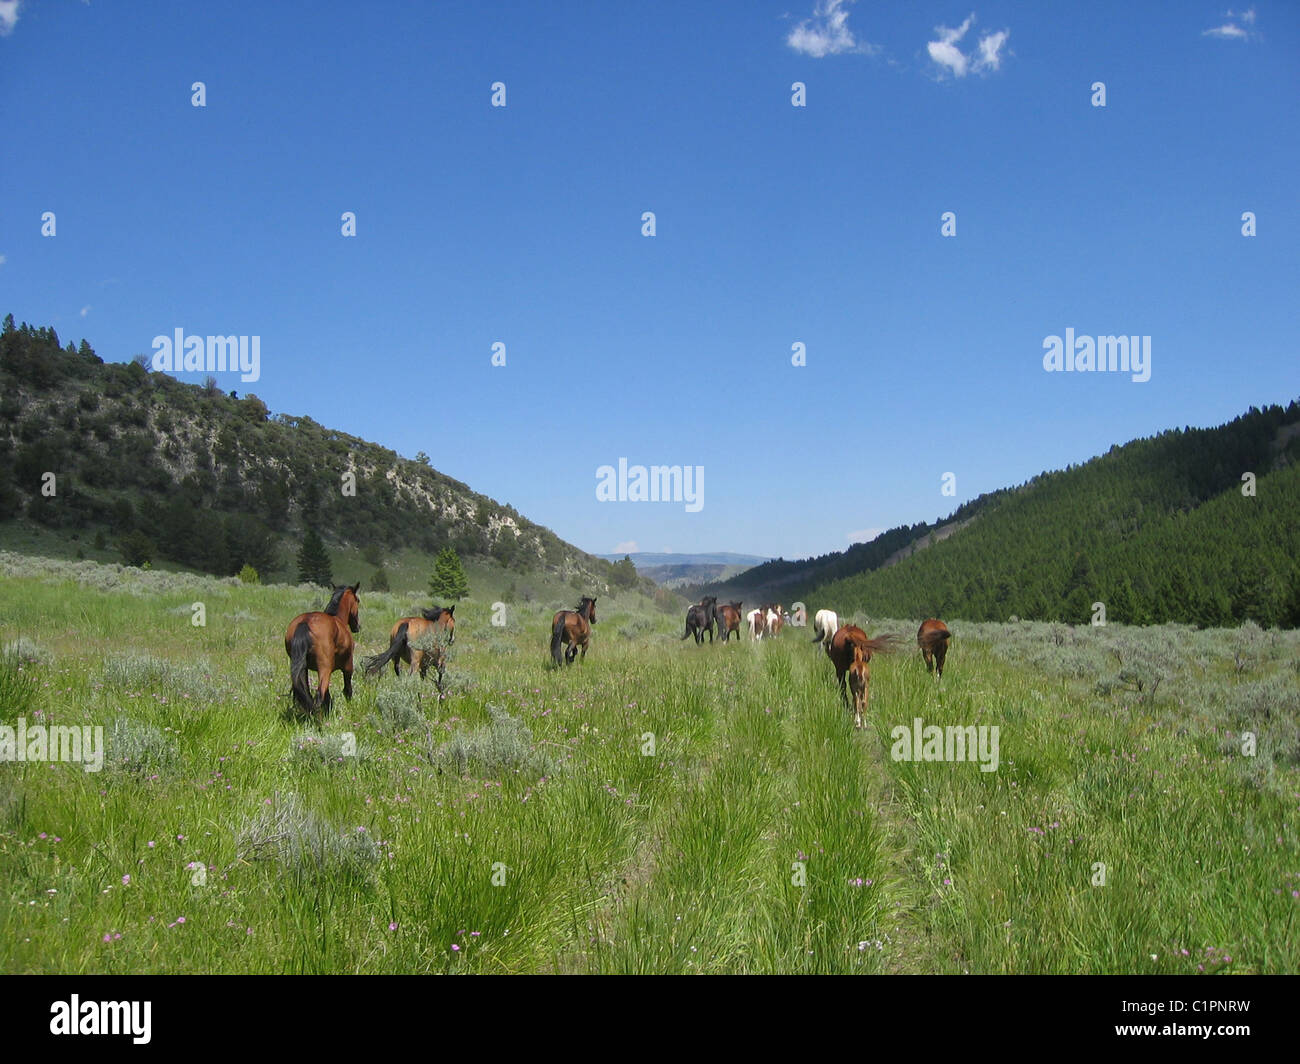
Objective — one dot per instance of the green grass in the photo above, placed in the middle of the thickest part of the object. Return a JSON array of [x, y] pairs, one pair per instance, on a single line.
[[522, 820]]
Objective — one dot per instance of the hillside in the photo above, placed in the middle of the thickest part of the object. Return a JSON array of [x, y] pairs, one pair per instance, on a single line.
[[788, 580], [1158, 530], [201, 479]]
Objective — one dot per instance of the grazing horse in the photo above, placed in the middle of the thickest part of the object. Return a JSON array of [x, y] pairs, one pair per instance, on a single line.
[[850, 651], [932, 637], [729, 620], [322, 641], [757, 624], [438, 622], [700, 619], [825, 625], [573, 627]]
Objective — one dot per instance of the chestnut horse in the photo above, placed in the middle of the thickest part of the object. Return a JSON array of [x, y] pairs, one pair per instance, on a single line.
[[700, 618], [729, 620], [573, 627], [850, 651], [932, 638], [322, 641], [438, 622]]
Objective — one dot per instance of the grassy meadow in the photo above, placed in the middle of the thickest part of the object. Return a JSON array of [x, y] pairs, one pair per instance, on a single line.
[[661, 808]]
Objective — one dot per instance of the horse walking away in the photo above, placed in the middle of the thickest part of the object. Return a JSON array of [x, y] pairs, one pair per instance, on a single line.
[[757, 624], [700, 618], [573, 627], [774, 615], [322, 641], [436, 626], [850, 652], [825, 625], [932, 637], [729, 621]]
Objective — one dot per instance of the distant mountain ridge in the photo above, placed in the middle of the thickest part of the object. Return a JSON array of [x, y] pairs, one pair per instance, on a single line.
[[1194, 525]]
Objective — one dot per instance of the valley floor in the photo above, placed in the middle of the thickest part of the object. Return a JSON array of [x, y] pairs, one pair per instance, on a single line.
[[662, 808]]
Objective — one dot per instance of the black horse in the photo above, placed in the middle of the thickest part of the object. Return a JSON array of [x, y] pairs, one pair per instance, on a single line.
[[701, 618]]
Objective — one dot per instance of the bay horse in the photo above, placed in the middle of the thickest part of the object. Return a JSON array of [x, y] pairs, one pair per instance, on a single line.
[[850, 652], [729, 620], [825, 625], [573, 627], [407, 633], [932, 637], [700, 618], [322, 641]]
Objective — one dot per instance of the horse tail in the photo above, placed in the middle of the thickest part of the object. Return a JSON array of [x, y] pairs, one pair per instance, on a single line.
[[299, 647], [818, 634], [557, 638], [375, 664], [686, 634], [934, 637]]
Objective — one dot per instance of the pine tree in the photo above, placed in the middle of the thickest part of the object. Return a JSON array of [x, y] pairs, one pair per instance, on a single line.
[[448, 580], [314, 566]]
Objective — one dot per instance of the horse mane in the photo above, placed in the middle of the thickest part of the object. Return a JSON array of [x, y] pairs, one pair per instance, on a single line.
[[434, 614], [333, 608]]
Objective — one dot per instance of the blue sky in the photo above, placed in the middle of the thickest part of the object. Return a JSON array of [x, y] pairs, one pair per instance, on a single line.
[[775, 224]]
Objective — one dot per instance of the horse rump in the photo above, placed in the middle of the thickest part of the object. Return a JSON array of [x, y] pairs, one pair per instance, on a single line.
[[299, 649], [373, 665]]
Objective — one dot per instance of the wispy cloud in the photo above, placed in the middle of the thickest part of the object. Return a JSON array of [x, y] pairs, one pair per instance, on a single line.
[[827, 32], [951, 60], [863, 535], [85, 310], [1235, 28], [627, 547], [3, 260], [8, 16]]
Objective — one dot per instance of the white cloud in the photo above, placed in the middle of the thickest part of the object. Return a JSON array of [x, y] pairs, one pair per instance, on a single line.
[[863, 535], [627, 547], [3, 260], [945, 52], [1230, 31], [827, 32], [8, 16], [952, 60], [85, 310]]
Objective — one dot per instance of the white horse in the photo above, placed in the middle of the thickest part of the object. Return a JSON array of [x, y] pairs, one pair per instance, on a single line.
[[757, 624], [825, 625]]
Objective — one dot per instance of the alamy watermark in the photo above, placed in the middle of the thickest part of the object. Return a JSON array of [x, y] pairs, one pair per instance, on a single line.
[[54, 743], [929, 742], [1084, 354], [654, 484], [179, 353]]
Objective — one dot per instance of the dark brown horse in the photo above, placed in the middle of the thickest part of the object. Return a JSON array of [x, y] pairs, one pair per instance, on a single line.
[[700, 619], [729, 620], [437, 626], [932, 638], [573, 627], [322, 641], [850, 651]]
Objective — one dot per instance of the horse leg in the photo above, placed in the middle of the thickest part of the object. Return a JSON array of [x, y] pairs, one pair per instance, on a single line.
[[323, 692], [584, 651], [347, 681]]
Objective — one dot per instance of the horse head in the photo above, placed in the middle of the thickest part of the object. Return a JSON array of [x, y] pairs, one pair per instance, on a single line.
[[351, 606]]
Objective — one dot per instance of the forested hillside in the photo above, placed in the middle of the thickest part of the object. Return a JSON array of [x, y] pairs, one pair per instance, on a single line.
[[215, 482], [1160, 529]]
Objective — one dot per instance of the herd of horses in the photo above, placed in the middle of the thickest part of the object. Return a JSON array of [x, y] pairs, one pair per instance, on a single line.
[[848, 646], [321, 642]]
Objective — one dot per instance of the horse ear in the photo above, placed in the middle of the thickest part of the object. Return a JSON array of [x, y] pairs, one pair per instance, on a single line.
[[356, 587], [451, 610]]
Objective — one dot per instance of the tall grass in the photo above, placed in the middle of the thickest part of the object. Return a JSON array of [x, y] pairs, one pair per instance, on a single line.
[[662, 808]]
